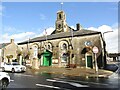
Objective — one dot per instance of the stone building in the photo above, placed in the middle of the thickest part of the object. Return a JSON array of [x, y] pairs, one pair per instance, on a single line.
[[65, 47], [113, 57], [8, 51]]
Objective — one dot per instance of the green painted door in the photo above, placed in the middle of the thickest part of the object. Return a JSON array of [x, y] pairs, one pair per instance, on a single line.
[[47, 58], [45, 61], [89, 62]]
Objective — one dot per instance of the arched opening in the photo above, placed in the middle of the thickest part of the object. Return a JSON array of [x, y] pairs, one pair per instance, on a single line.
[[63, 53], [47, 58], [89, 60], [88, 57], [60, 16], [35, 51]]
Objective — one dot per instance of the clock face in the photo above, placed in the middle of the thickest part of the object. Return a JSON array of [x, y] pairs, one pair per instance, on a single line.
[[59, 27], [88, 43]]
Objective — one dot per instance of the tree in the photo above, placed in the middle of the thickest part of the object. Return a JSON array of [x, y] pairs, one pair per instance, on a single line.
[[9, 57]]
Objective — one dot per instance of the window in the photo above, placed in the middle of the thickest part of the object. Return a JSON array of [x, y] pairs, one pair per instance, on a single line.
[[59, 16], [49, 47], [64, 46], [35, 51], [59, 26]]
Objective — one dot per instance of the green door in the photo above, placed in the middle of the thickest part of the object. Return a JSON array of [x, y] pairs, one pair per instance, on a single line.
[[47, 58], [45, 61], [89, 62]]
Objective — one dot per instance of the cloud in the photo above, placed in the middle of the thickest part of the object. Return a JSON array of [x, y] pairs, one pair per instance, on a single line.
[[48, 31], [111, 38], [18, 37], [103, 28], [73, 27], [42, 17]]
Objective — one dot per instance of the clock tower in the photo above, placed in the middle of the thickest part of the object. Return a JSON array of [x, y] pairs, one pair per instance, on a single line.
[[60, 24]]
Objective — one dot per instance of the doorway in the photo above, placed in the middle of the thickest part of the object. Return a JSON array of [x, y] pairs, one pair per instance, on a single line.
[[47, 58], [89, 62]]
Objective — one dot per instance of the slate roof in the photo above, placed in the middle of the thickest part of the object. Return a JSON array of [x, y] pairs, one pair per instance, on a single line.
[[3, 45], [82, 32], [113, 54]]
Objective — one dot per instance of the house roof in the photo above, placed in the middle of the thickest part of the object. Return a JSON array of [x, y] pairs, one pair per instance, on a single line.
[[3, 45], [113, 54], [82, 32]]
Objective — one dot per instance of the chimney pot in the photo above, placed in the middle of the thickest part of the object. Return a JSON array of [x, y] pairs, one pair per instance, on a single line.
[[77, 26], [12, 40]]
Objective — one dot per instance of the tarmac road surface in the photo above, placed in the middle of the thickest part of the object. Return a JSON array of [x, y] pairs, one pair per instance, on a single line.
[[56, 81]]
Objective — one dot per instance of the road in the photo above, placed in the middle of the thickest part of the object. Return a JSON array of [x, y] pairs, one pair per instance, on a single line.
[[50, 81]]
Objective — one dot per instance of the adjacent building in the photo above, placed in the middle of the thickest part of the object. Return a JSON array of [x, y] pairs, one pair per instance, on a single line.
[[8, 51], [65, 47], [113, 57]]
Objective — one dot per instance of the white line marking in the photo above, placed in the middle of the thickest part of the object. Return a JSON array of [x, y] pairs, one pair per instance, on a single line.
[[24, 75], [116, 77], [84, 82], [11, 80], [41, 85], [71, 83]]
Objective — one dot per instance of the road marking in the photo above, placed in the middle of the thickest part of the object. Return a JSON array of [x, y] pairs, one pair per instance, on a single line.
[[48, 86], [71, 83], [116, 77], [24, 75], [11, 80], [84, 82]]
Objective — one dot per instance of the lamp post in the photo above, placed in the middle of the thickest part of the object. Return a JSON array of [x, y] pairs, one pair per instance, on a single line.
[[71, 48], [2, 54], [105, 33], [104, 47], [61, 5], [95, 51]]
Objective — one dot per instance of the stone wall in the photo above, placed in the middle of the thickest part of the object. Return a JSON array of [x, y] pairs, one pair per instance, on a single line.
[[77, 43]]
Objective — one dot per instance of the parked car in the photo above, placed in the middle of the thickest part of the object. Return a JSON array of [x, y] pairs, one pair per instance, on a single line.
[[4, 80], [13, 67], [111, 67]]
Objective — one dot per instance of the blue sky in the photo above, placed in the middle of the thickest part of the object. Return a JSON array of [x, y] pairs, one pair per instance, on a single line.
[[31, 18]]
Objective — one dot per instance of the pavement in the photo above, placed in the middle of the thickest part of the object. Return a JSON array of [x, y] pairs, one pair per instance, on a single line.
[[74, 71]]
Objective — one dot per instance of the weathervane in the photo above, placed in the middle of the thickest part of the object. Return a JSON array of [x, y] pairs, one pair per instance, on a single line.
[[61, 5]]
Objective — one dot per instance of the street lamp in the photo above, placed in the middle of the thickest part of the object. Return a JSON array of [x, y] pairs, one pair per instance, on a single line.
[[105, 33], [104, 47], [71, 48]]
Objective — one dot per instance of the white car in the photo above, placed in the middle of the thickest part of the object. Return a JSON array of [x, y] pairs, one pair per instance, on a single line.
[[13, 67], [4, 80]]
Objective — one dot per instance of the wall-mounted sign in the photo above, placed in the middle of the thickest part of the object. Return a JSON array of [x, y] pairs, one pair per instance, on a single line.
[[88, 43], [95, 49]]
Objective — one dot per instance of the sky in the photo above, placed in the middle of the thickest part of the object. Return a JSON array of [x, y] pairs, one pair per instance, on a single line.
[[23, 20]]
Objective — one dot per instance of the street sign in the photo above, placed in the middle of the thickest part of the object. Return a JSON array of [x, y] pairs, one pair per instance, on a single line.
[[88, 43], [95, 49]]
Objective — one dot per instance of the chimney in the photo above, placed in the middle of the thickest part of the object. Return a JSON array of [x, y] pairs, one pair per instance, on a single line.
[[77, 26], [12, 41]]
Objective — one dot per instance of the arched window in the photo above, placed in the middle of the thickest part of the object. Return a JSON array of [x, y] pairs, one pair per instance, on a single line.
[[59, 16], [35, 51], [64, 46], [49, 47]]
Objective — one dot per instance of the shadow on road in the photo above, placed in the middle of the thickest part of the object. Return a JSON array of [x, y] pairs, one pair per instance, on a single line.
[[111, 67]]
